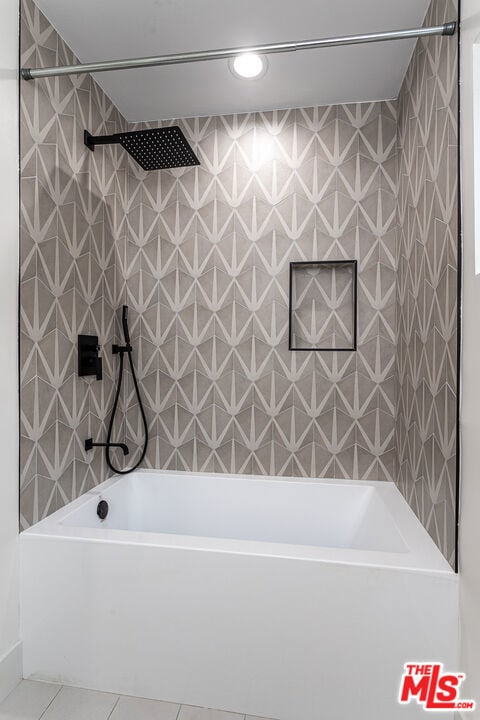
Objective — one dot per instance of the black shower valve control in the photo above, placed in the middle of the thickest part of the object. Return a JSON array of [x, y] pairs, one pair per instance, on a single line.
[[89, 361]]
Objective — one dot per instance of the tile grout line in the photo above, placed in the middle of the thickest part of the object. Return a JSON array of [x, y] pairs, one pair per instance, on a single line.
[[113, 709], [51, 701], [243, 716]]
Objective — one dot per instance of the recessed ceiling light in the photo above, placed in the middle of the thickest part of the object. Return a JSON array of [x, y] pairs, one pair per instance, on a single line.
[[248, 65]]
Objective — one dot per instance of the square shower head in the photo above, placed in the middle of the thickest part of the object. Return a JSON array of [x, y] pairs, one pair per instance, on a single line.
[[159, 149]]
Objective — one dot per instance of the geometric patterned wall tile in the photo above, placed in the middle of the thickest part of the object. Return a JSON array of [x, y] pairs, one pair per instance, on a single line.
[[67, 246], [427, 257], [210, 283]]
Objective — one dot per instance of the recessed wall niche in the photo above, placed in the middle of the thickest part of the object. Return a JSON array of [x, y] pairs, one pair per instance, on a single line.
[[323, 305]]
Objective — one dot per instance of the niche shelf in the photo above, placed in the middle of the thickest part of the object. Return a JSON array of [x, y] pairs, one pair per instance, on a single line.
[[323, 305]]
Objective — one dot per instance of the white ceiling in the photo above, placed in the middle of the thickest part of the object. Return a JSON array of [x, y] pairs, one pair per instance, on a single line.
[[115, 29]]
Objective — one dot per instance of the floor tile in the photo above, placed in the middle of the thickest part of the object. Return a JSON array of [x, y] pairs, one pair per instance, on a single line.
[[130, 708], [28, 701], [76, 704], [188, 712]]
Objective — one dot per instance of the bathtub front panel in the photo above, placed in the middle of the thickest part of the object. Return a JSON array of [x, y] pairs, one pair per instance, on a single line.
[[247, 633]]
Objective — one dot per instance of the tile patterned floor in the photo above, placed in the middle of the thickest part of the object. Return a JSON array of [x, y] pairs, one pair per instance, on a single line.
[[46, 701]]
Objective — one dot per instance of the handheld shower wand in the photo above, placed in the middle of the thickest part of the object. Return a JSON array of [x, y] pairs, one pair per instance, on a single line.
[[121, 350], [126, 333]]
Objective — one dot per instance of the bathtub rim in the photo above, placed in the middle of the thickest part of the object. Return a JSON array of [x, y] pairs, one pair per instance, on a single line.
[[422, 554]]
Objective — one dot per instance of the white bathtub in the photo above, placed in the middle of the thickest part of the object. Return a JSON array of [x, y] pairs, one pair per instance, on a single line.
[[288, 599]]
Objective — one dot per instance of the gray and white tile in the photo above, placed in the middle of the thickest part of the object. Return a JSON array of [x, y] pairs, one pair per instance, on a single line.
[[28, 701]]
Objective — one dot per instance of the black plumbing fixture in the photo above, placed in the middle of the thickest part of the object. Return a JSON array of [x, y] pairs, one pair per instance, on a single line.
[[89, 361], [121, 350], [89, 445], [102, 509], [156, 149]]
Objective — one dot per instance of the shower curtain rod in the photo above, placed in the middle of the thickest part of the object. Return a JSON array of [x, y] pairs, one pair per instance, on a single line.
[[105, 66]]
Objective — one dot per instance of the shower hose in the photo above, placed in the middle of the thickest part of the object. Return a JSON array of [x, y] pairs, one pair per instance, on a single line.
[[121, 351]]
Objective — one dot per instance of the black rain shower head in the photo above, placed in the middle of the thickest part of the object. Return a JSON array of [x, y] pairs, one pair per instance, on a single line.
[[158, 149]]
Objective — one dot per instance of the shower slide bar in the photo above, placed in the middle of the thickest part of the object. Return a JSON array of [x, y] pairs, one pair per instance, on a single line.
[[106, 66]]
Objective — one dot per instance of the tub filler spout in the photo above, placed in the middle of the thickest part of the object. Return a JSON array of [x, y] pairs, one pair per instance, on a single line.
[[89, 445]]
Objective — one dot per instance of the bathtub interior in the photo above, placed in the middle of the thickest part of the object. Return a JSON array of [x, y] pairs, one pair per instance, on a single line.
[[318, 514]]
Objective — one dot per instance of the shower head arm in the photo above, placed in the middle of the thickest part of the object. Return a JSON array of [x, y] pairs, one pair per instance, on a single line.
[[92, 140]]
